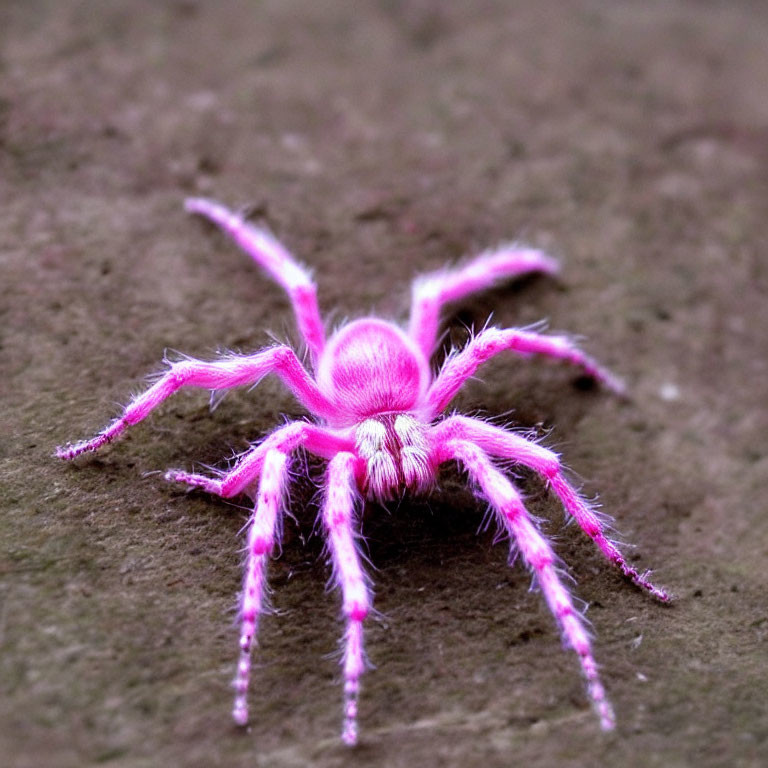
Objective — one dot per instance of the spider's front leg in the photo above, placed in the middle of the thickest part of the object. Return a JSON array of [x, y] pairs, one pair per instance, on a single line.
[[509, 508], [267, 462], [491, 342], [507, 445], [221, 374], [338, 519], [261, 540], [298, 434]]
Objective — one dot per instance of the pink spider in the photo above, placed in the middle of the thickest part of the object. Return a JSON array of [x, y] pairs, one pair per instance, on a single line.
[[377, 408]]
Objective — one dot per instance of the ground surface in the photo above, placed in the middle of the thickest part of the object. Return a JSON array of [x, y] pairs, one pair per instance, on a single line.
[[632, 141]]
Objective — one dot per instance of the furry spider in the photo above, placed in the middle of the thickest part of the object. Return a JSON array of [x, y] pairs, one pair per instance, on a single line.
[[377, 409]]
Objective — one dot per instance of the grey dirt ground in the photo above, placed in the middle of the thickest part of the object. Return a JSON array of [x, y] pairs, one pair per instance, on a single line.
[[378, 139]]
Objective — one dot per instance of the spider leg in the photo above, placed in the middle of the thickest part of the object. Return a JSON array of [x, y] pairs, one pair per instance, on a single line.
[[222, 374], [430, 292], [491, 342], [263, 525], [536, 551], [499, 442], [273, 257], [248, 467], [338, 518]]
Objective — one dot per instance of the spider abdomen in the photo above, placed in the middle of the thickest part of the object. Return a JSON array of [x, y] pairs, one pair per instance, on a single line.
[[371, 367]]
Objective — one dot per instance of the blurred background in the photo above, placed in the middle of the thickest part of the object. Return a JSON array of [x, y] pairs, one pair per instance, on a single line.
[[377, 140]]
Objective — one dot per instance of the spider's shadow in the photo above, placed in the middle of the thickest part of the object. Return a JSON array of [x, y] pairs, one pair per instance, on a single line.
[[412, 531], [424, 529]]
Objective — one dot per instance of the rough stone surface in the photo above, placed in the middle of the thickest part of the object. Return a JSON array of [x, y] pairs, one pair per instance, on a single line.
[[376, 141]]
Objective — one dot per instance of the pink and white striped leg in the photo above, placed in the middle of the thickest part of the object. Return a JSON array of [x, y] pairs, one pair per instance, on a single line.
[[272, 256], [537, 552], [220, 374], [261, 539], [431, 292], [491, 342], [338, 513], [298, 434], [508, 445]]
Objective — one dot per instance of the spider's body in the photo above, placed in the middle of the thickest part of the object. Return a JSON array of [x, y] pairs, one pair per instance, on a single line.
[[371, 368], [377, 420]]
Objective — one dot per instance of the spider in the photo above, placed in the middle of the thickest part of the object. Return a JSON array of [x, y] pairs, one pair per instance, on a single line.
[[378, 421]]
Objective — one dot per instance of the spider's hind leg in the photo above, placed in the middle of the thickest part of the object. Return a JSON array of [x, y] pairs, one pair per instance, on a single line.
[[431, 292], [274, 258], [491, 342]]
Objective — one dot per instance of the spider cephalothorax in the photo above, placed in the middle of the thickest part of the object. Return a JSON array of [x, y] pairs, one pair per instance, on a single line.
[[377, 409]]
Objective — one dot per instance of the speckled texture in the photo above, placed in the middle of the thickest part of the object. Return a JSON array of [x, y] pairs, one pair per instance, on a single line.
[[632, 141]]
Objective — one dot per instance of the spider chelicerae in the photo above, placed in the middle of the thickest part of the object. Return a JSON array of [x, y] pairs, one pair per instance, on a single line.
[[378, 421]]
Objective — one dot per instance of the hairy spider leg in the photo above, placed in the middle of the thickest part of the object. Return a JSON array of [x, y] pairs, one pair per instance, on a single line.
[[264, 524], [338, 518], [507, 445], [536, 551], [297, 434], [432, 291], [490, 342], [274, 258], [222, 374]]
